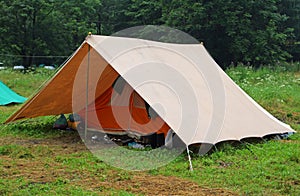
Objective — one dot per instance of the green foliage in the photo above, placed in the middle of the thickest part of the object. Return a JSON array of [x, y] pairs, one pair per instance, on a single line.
[[292, 9], [255, 32], [24, 23], [144, 12], [245, 31], [44, 27], [185, 15]]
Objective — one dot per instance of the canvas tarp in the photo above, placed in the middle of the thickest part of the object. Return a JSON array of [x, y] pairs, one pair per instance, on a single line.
[[8, 96], [181, 82]]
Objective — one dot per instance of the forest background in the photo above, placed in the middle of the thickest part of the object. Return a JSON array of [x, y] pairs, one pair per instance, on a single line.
[[257, 33]]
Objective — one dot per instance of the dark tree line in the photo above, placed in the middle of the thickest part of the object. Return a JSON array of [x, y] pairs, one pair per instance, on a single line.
[[260, 32]]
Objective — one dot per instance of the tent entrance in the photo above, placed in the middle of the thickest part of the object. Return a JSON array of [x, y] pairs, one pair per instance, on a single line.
[[121, 112]]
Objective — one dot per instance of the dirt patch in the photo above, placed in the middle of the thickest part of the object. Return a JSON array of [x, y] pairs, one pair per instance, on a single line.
[[41, 169], [288, 141], [162, 185]]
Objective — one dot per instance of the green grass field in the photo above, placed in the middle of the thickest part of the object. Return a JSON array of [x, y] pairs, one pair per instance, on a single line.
[[36, 160]]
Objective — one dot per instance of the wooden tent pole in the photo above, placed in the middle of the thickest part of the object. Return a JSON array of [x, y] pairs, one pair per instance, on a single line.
[[87, 94], [131, 102]]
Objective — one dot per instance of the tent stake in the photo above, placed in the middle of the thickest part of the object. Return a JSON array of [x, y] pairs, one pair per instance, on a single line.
[[190, 160]]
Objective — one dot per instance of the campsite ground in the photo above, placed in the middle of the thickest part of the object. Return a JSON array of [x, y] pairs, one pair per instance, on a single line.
[[34, 159]]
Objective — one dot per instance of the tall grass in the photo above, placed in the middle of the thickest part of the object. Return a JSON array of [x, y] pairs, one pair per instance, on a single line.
[[276, 90], [25, 84]]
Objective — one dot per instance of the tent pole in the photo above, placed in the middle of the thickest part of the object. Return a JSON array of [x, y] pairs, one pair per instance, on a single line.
[[130, 110], [87, 94], [190, 160]]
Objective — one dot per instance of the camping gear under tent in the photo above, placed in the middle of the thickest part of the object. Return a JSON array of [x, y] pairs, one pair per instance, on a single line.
[[216, 110], [8, 96]]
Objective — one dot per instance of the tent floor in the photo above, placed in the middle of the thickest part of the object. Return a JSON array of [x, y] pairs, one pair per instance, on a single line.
[[122, 138]]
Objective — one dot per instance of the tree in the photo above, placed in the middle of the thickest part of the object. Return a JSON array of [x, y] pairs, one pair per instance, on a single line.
[[45, 27], [244, 31], [292, 9], [22, 21], [112, 16], [143, 12], [256, 32], [185, 15], [77, 18]]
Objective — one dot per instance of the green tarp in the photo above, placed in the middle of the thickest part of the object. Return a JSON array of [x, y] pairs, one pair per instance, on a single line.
[[8, 96]]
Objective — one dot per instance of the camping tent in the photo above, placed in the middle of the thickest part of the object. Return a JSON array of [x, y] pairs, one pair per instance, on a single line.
[[8, 96], [181, 83]]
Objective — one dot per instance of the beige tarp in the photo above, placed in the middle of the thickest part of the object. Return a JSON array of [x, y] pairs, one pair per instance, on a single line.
[[181, 82]]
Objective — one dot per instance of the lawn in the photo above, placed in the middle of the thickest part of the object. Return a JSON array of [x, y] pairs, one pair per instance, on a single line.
[[34, 159]]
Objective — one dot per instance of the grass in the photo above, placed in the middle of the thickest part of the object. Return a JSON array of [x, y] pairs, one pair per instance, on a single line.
[[277, 91], [38, 160], [269, 168], [60, 187], [24, 84]]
